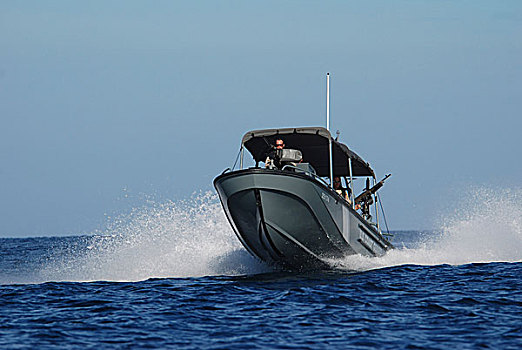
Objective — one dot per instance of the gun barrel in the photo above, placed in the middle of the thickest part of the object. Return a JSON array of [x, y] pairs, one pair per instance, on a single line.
[[367, 193]]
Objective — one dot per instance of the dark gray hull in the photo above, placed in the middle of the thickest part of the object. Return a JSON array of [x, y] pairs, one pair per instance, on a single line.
[[293, 220]]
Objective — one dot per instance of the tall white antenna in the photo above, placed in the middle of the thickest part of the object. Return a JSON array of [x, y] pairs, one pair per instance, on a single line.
[[328, 101], [328, 126]]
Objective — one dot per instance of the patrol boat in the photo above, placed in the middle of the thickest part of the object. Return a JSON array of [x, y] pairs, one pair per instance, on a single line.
[[289, 214]]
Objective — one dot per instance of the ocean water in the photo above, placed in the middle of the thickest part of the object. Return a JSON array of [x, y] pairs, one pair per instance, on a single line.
[[173, 275]]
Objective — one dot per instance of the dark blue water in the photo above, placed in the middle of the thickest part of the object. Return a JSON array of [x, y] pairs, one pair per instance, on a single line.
[[476, 305], [175, 276]]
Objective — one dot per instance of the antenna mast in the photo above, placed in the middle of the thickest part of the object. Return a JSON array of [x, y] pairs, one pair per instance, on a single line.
[[328, 101], [328, 125]]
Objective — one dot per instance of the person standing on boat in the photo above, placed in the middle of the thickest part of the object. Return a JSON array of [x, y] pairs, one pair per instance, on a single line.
[[343, 192], [274, 157]]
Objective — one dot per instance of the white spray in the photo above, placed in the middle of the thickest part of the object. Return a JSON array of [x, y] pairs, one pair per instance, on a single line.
[[192, 238], [189, 238], [486, 227]]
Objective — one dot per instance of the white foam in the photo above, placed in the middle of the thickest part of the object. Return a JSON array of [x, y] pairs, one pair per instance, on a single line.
[[193, 238], [486, 226], [190, 238]]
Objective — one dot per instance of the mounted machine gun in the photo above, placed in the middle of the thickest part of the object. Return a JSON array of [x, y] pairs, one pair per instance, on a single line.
[[365, 199]]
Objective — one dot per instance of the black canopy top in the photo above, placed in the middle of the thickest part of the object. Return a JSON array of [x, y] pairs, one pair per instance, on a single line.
[[313, 143]]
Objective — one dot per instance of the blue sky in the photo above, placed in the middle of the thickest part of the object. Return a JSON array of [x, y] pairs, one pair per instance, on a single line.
[[104, 103]]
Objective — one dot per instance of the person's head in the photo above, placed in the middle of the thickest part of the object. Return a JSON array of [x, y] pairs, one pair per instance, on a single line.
[[337, 182], [280, 144]]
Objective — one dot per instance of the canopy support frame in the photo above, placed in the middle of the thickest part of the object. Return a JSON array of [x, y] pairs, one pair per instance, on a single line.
[[241, 157], [375, 199], [351, 183]]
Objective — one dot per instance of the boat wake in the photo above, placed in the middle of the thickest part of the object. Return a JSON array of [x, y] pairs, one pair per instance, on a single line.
[[192, 238]]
